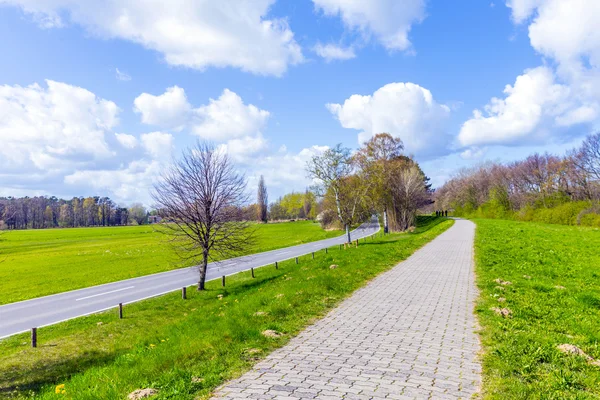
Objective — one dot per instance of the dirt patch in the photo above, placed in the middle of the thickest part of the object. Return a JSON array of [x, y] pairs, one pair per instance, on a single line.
[[576, 351], [272, 334], [503, 312], [502, 282], [142, 393]]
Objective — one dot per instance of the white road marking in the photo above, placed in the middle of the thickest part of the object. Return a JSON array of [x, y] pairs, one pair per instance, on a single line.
[[102, 294]]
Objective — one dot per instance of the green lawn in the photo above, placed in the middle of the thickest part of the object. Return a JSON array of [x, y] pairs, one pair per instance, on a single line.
[[185, 348], [554, 297], [46, 261]]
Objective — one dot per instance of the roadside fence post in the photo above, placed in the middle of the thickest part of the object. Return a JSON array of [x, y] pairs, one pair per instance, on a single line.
[[120, 310], [184, 293], [276, 266], [313, 254], [34, 337], [296, 260], [325, 250], [252, 269], [223, 280]]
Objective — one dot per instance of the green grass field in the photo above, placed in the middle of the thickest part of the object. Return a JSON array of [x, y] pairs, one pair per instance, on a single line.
[[185, 348], [46, 261], [554, 297]]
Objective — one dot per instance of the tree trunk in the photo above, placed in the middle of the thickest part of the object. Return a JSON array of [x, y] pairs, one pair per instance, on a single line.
[[348, 233], [386, 228], [203, 268]]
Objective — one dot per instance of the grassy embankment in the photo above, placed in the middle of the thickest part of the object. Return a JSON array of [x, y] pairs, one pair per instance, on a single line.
[[185, 348], [554, 297], [46, 261]]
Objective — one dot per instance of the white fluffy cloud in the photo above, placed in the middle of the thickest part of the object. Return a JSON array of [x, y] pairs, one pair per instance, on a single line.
[[389, 21], [404, 110], [195, 34], [53, 127], [169, 110], [534, 107], [132, 183], [127, 141], [159, 145], [284, 171], [331, 52], [567, 32], [228, 118], [545, 101]]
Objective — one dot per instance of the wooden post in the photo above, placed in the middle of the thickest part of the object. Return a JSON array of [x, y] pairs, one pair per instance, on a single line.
[[223, 280], [252, 270], [313, 255], [341, 246], [183, 293], [276, 266], [296, 260], [120, 310], [325, 250], [33, 337]]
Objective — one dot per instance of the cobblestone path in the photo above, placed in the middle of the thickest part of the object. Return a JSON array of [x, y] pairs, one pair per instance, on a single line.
[[408, 334]]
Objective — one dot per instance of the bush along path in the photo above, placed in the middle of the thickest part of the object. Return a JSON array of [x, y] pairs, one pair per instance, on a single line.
[[184, 349], [410, 333]]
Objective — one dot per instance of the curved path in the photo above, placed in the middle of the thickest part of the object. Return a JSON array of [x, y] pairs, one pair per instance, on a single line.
[[408, 334], [42, 311]]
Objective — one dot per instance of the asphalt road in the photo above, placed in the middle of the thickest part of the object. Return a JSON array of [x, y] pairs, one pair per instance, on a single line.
[[43, 311]]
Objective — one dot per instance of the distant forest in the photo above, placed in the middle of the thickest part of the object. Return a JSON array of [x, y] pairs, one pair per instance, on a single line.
[[52, 212]]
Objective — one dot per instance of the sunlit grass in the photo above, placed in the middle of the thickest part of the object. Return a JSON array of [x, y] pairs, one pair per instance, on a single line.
[[554, 297], [42, 262]]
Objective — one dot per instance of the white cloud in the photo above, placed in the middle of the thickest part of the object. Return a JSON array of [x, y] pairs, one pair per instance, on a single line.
[[129, 184], [283, 171], [533, 110], [241, 149], [331, 52], [53, 127], [228, 118], [122, 76], [546, 103], [127, 141], [389, 21], [169, 110], [158, 144], [472, 153], [404, 110], [565, 31], [193, 34]]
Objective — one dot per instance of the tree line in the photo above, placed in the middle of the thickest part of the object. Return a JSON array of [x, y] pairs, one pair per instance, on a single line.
[[52, 212], [547, 187]]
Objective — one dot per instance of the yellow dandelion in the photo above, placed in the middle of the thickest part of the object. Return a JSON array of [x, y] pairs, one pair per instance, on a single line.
[[60, 389], [152, 345]]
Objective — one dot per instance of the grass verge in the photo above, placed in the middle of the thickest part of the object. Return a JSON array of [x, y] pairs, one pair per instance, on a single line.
[[187, 348], [554, 299], [40, 262]]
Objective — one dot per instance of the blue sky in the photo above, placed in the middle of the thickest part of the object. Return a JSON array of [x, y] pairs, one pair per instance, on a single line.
[[274, 82]]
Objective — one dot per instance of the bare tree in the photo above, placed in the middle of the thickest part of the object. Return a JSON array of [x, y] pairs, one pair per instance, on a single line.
[[262, 200], [201, 197], [334, 172], [409, 193]]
